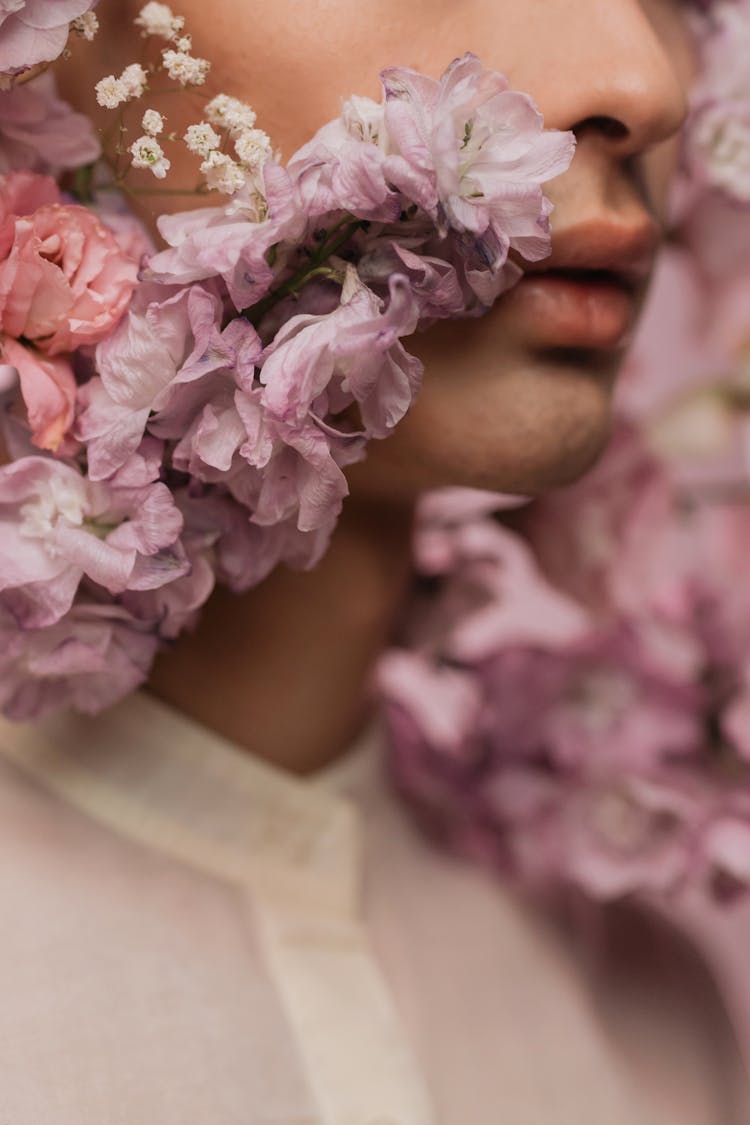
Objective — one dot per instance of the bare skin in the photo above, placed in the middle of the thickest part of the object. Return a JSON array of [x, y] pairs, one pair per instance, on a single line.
[[284, 670]]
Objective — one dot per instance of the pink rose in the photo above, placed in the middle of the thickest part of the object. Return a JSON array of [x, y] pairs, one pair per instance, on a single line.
[[48, 387], [22, 193], [64, 281]]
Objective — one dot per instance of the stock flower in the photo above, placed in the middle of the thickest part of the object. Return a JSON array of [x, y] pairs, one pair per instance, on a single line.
[[40, 133], [64, 281], [58, 527], [35, 31], [167, 358], [94, 656], [232, 242], [353, 354], [343, 167], [473, 154]]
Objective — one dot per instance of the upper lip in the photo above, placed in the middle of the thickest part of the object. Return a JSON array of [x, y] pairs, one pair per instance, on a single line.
[[623, 251]]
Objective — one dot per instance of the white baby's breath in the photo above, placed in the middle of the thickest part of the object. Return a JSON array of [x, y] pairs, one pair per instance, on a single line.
[[152, 123], [222, 173], [148, 153], [186, 69], [160, 20], [202, 139], [253, 147], [134, 78], [111, 92], [86, 25], [230, 114]]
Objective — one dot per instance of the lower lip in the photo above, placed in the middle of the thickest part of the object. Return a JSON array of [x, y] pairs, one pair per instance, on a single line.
[[554, 310]]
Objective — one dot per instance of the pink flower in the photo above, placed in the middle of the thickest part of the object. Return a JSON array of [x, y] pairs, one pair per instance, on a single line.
[[168, 358], [473, 154], [34, 31], [343, 167], [48, 387], [616, 540], [41, 133], [232, 242], [58, 527], [93, 657], [64, 281], [23, 193], [351, 355]]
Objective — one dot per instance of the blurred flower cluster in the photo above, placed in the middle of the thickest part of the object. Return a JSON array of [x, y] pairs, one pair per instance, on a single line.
[[572, 705], [173, 419]]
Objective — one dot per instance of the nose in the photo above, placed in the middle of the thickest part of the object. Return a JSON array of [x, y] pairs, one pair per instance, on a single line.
[[622, 75]]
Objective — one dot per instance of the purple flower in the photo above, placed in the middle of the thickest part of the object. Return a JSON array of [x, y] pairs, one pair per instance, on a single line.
[[34, 31], [59, 527], [351, 355], [473, 154], [343, 167], [167, 361], [94, 656], [233, 241], [41, 133]]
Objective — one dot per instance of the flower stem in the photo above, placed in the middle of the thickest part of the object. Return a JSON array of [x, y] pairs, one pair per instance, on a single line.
[[335, 239]]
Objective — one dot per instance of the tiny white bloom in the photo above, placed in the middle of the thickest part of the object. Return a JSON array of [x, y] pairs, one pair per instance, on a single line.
[[148, 153], [185, 43], [86, 25], [185, 69], [253, 147], [159, 19], [152, 123], [202, 139], [231, 114], [134, 79], [111, 92], [222, 173]]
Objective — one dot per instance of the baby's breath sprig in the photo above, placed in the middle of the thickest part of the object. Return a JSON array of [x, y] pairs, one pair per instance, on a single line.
[[231, 148]]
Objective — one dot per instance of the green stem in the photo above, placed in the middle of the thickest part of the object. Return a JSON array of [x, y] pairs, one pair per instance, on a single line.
[[336, 238]]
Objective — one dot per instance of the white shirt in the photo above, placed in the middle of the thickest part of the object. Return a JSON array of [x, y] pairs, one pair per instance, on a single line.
[[189, 936]]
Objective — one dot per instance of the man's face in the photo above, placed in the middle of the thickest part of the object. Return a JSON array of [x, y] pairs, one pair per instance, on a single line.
[[520, 400]]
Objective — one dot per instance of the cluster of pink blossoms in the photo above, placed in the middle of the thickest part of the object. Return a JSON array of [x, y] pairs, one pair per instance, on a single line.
[[572, 704], [174, 419]]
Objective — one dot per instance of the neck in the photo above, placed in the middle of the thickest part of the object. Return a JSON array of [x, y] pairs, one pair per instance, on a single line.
[[284, 670]]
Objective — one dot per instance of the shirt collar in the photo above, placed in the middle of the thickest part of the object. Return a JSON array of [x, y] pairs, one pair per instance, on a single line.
[[148, 772]]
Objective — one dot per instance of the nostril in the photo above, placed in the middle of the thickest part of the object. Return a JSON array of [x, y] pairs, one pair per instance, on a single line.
[[605, 126]]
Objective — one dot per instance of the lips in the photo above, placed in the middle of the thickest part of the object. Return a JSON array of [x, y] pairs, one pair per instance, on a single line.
[[587, 293]]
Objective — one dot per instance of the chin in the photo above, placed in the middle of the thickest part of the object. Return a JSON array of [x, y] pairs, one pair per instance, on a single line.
[[528, 431]]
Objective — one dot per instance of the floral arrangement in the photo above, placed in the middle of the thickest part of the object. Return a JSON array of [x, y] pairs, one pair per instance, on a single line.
[[573, 706], [179, 418]]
